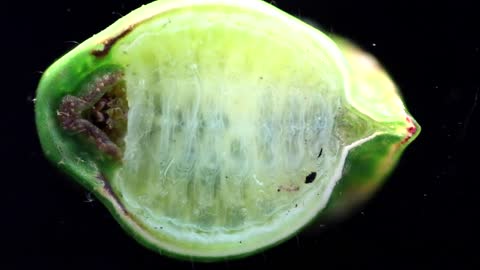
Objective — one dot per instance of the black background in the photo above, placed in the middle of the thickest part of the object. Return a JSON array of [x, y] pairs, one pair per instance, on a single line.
[[423, 218]]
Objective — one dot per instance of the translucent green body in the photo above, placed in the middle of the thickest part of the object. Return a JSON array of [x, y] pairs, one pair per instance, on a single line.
[[215, 129]]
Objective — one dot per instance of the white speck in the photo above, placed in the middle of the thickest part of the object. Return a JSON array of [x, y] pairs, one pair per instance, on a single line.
[[168, 167], [374, 44], [256, 180], [89, 198]]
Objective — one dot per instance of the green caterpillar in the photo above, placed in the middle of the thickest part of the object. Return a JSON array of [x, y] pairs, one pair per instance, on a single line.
[[215, 129]]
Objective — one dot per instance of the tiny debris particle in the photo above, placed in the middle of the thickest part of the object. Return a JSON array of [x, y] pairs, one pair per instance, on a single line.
[[310, 178]]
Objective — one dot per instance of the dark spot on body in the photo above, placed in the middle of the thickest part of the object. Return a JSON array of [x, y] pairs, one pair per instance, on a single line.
[[320, 154], [310, 178]]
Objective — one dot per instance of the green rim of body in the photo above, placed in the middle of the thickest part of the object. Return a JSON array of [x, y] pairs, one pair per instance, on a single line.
[[92, 169]]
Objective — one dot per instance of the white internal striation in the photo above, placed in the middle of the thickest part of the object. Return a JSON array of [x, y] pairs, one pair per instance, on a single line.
[[221, 141]]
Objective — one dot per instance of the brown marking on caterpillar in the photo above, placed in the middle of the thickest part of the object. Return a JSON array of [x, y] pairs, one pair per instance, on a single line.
[[107, 44], [288, 188], [72, 108], [108, 192], [108, 189]]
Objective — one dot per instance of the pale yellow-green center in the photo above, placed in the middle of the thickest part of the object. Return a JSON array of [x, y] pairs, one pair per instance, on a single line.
[[226, 121]]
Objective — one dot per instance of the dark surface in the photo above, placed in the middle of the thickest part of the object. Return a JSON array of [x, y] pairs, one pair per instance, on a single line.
[[423, 218]]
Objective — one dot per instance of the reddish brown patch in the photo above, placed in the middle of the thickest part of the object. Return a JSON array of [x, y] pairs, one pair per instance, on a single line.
[[411, 131]]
